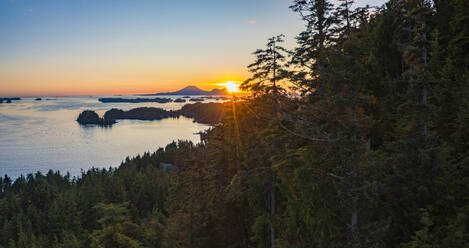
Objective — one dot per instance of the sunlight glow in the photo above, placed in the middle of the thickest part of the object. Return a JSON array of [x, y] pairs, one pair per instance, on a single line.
[[231, 86]]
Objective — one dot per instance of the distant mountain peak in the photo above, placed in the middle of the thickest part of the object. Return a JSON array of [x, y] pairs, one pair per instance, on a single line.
[[194, 90], [221, 91], [190, 88]]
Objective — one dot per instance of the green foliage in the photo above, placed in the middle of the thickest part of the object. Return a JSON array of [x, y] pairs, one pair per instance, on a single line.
[[117, 230], [268, 70], [367, 149]]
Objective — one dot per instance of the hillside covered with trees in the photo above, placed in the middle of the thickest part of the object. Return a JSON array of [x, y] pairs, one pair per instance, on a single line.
[[357, 137]]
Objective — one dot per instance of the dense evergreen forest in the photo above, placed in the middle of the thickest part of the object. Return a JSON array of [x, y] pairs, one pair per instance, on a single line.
[[357, 137]]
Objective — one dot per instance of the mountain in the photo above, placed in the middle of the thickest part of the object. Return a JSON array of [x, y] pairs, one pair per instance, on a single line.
[[194, 91], [222, 91]]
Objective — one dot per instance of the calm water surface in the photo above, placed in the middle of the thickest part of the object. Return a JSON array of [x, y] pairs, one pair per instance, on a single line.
[[42, 135]]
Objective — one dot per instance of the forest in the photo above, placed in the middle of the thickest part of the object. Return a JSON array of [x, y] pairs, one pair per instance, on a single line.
[[356, 137]]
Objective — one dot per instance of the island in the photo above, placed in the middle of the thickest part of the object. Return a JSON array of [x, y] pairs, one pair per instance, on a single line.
[[197, 99], [143, 113], [205, 113], [9, 99], [91, 117], [135, 100]]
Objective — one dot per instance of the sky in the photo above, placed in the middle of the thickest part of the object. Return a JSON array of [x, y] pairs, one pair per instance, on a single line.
[[105, 47]]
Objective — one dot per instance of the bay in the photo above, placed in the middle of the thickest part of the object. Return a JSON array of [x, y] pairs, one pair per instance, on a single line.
[[43, 135]]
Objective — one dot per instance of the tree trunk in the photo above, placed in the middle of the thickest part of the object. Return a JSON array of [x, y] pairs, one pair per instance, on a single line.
[[272, 210], [275, 68], [425, 83]]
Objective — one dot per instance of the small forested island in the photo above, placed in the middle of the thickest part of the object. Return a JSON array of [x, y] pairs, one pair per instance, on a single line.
[[206, 113], [180, 100], [9, 99], [91, 117], [135, 100], [197, 99], [143, 113]]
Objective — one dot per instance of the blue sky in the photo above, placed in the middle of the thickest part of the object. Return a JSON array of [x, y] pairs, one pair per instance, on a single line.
[[100, 46]]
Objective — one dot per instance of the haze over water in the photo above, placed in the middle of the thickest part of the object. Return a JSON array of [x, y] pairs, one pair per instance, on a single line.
[[42, 135]]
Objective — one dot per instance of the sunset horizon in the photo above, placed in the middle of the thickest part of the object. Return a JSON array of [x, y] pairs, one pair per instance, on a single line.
[[106, 48], [202, 86], [95, 48], [234, 123]]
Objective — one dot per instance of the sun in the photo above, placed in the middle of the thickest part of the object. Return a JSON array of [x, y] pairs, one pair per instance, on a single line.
[[231, 86]]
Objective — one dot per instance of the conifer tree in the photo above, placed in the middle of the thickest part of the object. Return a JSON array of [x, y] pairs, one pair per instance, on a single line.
[[117, 230], [311, 55], [268, 70]]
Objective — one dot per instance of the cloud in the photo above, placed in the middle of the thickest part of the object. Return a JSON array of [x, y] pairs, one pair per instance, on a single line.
[[28, 12], [11, 1], [252, 22]]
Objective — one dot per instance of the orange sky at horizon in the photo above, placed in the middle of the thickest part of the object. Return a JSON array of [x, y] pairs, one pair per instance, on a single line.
[[52, 47], [115, 72], [118, 47], [61, 75], [67, 82]]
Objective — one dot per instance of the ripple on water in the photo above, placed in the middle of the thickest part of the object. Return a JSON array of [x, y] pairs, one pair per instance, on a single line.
[[42, 135]]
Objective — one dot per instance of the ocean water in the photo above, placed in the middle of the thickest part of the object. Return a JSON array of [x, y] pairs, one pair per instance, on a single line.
[[42, 135]]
